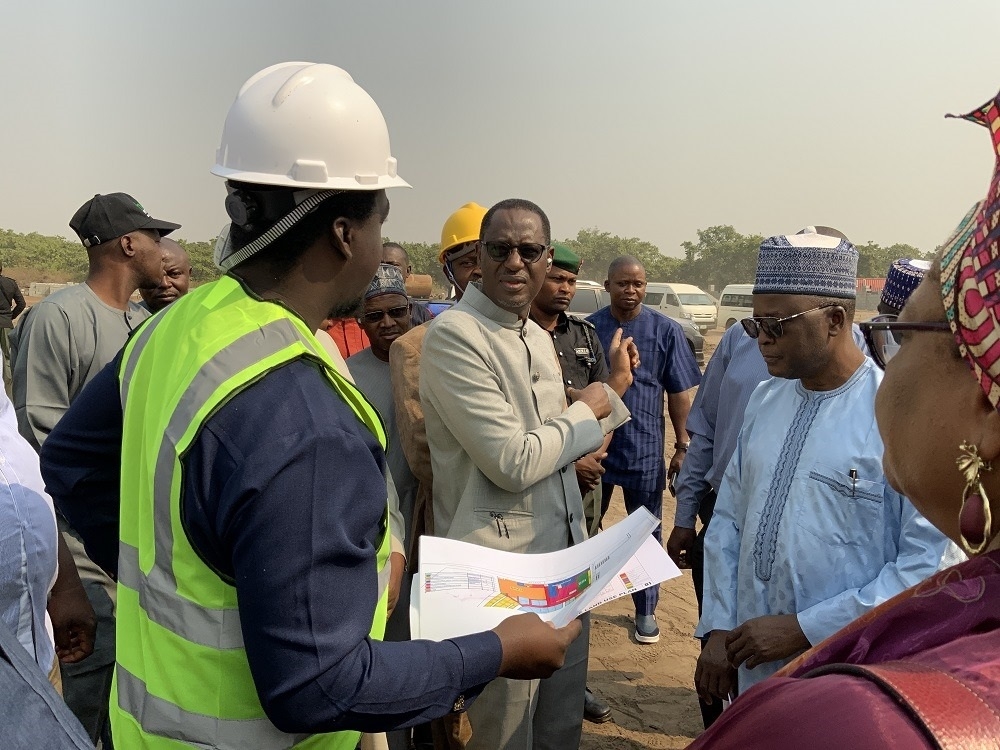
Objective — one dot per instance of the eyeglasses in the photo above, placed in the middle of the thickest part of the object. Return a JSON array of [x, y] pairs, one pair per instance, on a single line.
[[772, 326], [883, 339], [396, 313], [500, 251]]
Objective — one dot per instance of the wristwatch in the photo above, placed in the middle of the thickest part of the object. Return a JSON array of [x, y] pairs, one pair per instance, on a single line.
[[682, 446]]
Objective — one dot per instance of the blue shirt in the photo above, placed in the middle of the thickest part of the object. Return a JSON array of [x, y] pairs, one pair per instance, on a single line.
[[805, 522], [734, 371], [28, 542], [666, 365], [275, 490]]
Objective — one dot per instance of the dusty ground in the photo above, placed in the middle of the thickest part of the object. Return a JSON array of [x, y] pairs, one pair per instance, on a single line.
[[649, 687]]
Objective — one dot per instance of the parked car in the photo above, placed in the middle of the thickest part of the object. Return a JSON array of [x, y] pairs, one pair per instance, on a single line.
[[438, 306], [697, 303], [591, 297], [735, 304]]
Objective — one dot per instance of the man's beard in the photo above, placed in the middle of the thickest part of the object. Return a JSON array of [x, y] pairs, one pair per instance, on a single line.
[[347, 309]]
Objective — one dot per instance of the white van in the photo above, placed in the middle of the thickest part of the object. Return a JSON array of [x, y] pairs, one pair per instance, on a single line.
[[682, 301], [693, 300], [735, 304], [661, 297]]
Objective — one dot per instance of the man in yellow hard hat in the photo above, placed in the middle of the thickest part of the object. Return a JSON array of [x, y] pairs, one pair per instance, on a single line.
[[460, 263], [253, 544]]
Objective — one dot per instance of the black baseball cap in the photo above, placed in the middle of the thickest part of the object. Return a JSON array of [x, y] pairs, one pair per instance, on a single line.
[[105, 217]]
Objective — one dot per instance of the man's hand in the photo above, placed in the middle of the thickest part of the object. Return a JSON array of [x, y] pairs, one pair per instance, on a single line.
[[680, 545], [593, 396], [74, 624], [675, 464], [765, 639], [624, 358], [715, 677], [532, 648], [397, 564], [589, 471]]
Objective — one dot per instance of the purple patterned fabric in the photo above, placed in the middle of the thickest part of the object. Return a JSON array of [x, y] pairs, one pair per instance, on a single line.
[[951, 621]]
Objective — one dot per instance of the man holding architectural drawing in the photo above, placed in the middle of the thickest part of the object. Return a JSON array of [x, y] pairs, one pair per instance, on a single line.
[[503, 442]]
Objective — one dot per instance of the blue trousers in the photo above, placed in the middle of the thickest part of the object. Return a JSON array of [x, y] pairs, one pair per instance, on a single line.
[[652, 500]]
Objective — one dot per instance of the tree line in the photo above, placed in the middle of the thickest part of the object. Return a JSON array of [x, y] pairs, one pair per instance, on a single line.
[[720, 256]]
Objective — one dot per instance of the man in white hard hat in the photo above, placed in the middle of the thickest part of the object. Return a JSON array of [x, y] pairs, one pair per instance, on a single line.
[[252, 550]]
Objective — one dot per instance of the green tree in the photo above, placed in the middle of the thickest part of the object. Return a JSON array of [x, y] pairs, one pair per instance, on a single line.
[[721, 256], [874, 260], [598, 249], [203, 268]]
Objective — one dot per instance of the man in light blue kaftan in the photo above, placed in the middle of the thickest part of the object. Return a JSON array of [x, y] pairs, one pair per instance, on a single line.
[[806, 535]]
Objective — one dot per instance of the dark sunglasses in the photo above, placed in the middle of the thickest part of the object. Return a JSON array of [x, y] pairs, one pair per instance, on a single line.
[[396, 313], [500, 251], [882, 334], [772, 327]]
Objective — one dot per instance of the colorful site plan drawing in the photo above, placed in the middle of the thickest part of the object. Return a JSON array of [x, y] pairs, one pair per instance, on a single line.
[[464, 588]]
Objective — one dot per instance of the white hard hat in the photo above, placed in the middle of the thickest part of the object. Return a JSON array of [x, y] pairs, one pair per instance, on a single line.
[[306, 125]]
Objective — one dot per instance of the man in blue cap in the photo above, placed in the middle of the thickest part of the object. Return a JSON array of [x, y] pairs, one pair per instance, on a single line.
[[903, 278], [806, 534]]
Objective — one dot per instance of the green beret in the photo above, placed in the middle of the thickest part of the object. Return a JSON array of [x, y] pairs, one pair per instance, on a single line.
[[565, 258]]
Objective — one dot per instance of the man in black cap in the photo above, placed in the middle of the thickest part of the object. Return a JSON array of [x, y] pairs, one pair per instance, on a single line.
[[63, 342]]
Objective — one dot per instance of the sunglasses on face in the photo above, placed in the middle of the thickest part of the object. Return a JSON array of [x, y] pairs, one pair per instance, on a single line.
[[883, 334], [500, 251], [772, 327], [396, 313]]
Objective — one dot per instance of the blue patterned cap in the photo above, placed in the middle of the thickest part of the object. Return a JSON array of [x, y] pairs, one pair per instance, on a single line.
[[904, 276], [388, 280], [807, 263]]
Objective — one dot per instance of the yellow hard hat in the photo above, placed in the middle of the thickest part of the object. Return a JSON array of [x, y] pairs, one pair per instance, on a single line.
[[461, 227]]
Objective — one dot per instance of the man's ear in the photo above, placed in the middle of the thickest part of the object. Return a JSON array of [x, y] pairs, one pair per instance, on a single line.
[[838, 320], [607, 285], [125, 241], [341, 236]]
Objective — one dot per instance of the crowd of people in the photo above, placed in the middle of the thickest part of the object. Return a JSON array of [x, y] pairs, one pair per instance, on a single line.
[[211, 500]]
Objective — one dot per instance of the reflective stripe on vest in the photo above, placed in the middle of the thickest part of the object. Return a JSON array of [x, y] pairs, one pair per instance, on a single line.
[[182, 674]]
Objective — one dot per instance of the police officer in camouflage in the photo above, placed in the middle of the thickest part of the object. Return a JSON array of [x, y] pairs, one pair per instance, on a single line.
[[581, 358]]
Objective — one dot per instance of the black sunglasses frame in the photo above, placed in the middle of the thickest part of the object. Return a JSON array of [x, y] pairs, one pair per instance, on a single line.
[[370, 317], [754, 326], [502, 256], [891, 324]]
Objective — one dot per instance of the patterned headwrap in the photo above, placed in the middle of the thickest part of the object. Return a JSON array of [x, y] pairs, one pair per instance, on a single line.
[[970, 273], [388, 280]]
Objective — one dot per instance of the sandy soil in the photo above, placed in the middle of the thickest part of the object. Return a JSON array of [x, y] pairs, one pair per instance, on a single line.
[[649, 687]]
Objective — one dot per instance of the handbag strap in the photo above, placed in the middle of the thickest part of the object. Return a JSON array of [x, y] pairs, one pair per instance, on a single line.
[[951, 714]]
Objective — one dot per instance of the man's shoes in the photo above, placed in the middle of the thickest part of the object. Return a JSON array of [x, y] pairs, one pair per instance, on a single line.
[[595, 709], [646, 630]]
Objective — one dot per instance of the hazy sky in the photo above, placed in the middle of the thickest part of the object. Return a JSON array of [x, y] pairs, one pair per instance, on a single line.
[[650, 119]]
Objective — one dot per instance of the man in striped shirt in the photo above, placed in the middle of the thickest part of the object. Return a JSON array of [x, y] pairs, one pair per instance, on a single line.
[[635, 460]]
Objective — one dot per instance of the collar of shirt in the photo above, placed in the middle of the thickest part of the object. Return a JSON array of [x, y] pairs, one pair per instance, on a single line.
[[561, 326], [475, 299]]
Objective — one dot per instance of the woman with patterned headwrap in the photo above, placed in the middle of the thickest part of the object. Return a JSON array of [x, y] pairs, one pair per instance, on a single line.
[[922, 670]]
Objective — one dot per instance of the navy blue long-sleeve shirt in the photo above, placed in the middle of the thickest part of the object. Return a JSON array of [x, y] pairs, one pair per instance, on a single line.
[[279, 491]]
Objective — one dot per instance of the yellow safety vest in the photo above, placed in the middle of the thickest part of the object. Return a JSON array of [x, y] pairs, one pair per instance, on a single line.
[[181, 673]]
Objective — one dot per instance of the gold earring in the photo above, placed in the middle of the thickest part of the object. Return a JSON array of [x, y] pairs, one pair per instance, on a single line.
[[975, 523]]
